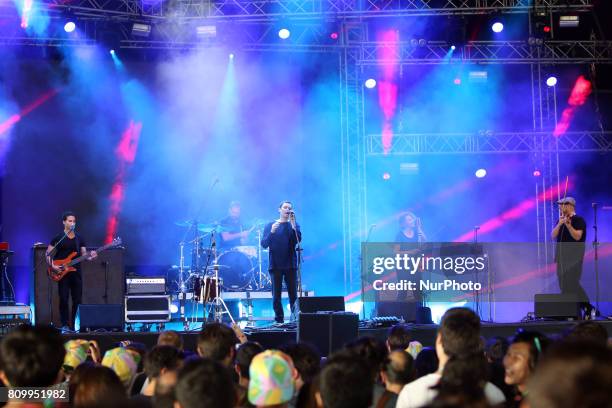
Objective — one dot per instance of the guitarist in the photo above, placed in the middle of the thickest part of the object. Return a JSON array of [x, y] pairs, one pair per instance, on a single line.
[[61, 247]]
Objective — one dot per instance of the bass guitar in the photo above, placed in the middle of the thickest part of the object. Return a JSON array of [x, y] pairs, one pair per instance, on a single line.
[[67, 264]]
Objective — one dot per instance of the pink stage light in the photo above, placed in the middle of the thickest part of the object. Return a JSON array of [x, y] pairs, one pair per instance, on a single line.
[[386, 175], [457, 81], [537, 173], [25, 13], [13, 119], [388, 87], [579, 95], [334, 36], [514, 213], [126, 154]]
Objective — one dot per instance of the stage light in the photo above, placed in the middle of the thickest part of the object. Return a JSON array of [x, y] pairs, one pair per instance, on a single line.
[[206, 31], [370, 83], [231, 56], [457, 81], [69, 27], [569, 21], [174, 308], [284, 33], [453, 47], [334, 36], [141, 30], [546, 29], [551, 81], [497, 27], [480, 173], [112, 52], [537, 173], [386, 175]]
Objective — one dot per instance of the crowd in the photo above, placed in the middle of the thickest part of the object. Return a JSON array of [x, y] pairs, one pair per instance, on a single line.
[[462, 369]]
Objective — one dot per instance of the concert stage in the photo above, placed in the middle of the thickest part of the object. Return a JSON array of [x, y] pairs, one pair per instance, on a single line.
[[275, 337]]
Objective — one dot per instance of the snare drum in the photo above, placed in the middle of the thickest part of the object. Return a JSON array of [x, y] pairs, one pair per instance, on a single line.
[[206, 289], [236, 269]]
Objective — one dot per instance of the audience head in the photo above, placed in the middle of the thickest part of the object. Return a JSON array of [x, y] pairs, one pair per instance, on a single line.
[[306, 360], [588, 331], [96, 386], [572, 375], [398, 337], [372, 351], [244, 356], [170, 338], [426, 362], [163, 395], [217, 341], [271, 379], [522, 356], [122, 362], [205, 383], [399, 368], [496, 348], [459, 333], [31, 356], [161, 359], [345, 382]]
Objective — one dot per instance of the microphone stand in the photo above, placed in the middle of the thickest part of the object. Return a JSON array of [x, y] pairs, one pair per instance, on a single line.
[[363, 278], [298, 250], [596, 256]]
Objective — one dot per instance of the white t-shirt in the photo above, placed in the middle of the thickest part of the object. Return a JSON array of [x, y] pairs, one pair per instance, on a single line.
[[419, 392]]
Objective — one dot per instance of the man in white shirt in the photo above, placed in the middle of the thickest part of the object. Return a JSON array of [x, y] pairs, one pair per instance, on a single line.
[[459, 333]]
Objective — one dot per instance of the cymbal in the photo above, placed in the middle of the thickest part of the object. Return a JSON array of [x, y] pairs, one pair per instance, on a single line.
[[258, 222], [208, 228], [189, 224]]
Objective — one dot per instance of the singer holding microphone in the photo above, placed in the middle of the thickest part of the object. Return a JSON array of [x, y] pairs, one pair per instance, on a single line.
[[61, 246], [570, 234], [281, 237]]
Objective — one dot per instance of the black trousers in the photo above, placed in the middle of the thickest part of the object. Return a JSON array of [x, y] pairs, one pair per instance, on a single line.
[[290, 276], [569, 271], [70, 285]]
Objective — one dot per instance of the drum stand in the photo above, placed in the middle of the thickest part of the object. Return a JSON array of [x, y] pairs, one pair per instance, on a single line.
[[262, 278], [218, 306]]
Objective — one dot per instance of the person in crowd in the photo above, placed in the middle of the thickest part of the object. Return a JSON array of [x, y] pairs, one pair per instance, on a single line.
[[218, 342], [397, 371], [272, 380], [307, 362], [495, 350], [520, 361], [244, 356], [123, 362], [374, 354], [163, 396], [398, 337], [461, 371], [31, 357], [345, 382], [159, 360], [96, 386], [587, 331], [170, 338], [205, 383], [426, 362], [574, 374]]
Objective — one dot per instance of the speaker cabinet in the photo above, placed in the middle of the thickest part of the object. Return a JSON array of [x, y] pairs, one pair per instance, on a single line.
[[103, 283], [107, 317], [147, 308], [556, 306], [314, 304], [328, 331]]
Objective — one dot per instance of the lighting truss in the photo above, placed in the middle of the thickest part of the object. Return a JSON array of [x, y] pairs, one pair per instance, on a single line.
[[490, 143], [271, 9]]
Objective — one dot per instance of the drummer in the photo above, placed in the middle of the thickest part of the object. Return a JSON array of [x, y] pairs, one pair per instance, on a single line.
[[233, 233]]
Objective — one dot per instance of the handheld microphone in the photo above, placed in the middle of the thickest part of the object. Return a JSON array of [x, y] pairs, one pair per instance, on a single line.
[[72, 227]]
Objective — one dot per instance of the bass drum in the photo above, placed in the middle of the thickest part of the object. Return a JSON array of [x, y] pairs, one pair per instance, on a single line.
[[236, 270]]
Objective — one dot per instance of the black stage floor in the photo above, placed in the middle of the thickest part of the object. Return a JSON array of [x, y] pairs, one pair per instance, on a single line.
[[274, 337]]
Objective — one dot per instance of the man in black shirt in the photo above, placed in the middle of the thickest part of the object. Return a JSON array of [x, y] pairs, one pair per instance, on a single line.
[[61, 247], [281, 236], [570, 234], [233, 233], [410, 228]]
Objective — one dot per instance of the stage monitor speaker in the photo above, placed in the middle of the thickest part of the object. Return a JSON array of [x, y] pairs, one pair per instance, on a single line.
[[328, 332], [556, 306], [103, 283], [314, 304], [96, 317]]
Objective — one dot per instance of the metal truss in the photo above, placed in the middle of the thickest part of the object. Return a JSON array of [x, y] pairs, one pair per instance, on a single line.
[[272, 9], [354, 217], [491, 143], [488, 52]]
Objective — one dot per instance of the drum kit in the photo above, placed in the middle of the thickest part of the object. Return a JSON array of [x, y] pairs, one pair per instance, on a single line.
[[214, 269]]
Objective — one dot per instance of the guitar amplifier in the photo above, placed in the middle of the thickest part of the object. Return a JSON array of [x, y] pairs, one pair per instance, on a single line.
[[152, 285]]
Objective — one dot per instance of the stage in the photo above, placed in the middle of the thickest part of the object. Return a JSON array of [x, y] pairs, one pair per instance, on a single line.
[[275, 337]]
